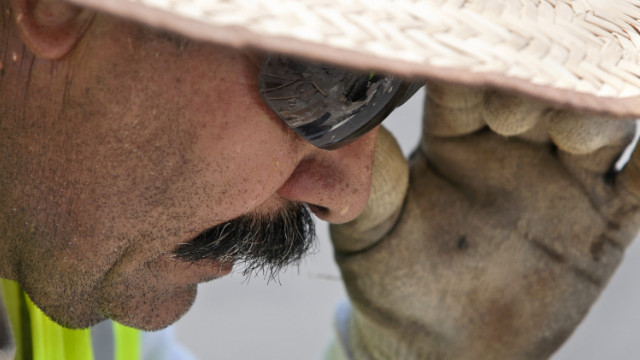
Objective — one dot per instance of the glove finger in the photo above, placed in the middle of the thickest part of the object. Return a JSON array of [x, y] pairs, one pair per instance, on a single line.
[[511, 115], [579, 133], [389, 183], [452, 110], [589, 147]]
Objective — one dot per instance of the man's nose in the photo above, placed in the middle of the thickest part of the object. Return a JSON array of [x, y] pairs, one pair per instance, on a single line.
[[335, 184]]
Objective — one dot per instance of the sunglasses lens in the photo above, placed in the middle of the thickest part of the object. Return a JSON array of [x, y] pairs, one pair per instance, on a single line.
[[327, 106]]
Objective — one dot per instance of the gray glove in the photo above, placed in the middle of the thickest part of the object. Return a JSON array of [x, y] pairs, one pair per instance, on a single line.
[[504, 239]]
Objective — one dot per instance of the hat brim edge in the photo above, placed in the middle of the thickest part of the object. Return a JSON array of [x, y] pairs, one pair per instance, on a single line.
[[238, 37]]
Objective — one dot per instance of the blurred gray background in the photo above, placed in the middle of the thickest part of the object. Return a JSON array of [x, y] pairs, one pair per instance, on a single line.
[[292, 319]]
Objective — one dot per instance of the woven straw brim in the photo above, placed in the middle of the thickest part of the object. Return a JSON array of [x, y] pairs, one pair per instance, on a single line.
[[580, 53]]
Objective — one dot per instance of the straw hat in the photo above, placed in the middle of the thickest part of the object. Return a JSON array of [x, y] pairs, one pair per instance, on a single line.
[[581, 53]]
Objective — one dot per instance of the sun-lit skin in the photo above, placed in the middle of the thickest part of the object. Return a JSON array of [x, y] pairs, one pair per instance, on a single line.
[[131, 143]]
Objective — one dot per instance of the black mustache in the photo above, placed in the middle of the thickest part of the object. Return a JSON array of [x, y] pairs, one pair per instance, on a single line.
[[260, 243]]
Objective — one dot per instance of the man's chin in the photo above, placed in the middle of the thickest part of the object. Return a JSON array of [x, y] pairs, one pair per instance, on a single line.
[[150, 311], [72, 320]]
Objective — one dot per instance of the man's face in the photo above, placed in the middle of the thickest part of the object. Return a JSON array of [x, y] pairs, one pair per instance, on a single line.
[[138, 142]]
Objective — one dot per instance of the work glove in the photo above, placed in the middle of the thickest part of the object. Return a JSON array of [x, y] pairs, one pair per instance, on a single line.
[[497, 241]]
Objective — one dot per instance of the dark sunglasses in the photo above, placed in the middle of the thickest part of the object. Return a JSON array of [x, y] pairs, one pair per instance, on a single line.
[[327, 106]]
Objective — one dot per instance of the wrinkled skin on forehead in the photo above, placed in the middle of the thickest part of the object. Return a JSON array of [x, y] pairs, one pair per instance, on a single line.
[[513, 221]]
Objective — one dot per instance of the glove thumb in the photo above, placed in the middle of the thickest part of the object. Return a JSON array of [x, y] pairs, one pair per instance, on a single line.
[[389, 184]]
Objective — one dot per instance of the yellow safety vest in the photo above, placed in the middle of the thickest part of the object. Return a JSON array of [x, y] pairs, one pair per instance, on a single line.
[[39, 338]]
